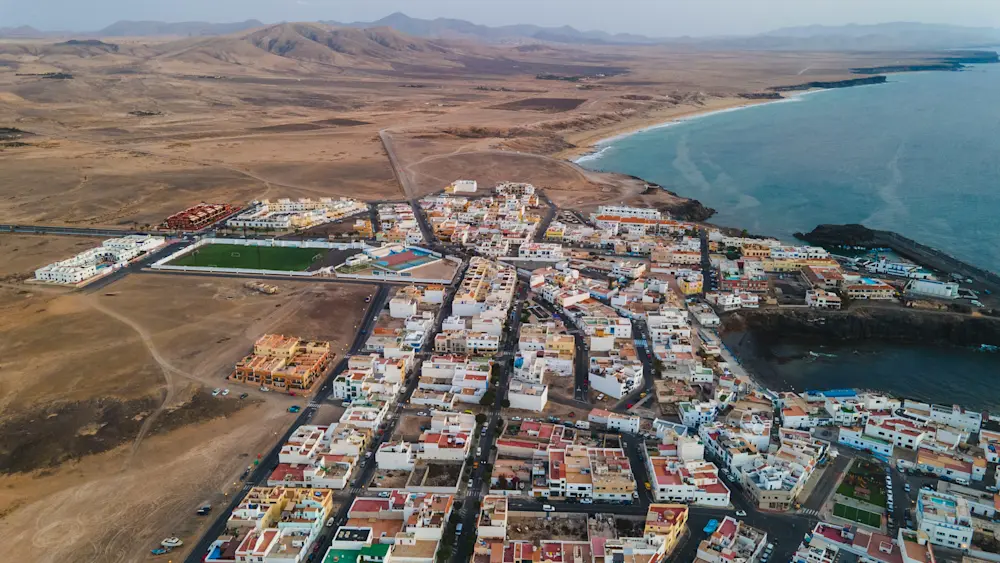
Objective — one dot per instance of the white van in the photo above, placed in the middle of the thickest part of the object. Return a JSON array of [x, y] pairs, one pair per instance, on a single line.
[[548, 508]]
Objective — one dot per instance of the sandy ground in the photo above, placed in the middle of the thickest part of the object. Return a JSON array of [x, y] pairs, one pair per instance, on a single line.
[[23, 254], [169, 336]]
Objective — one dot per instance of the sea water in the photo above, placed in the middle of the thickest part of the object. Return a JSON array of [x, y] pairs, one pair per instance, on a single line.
[[919, 155]]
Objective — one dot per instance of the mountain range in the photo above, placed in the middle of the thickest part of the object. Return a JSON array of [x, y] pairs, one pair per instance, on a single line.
[[887, 36]]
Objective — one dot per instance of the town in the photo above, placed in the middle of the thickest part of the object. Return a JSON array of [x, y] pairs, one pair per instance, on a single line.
[[537, 384]]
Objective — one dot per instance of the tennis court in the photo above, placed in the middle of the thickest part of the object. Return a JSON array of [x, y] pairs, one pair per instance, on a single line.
[[251, 257], [857, 515]]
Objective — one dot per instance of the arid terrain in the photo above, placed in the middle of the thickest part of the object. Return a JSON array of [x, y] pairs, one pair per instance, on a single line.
[[128, 131], [109, 437], [107, 411]]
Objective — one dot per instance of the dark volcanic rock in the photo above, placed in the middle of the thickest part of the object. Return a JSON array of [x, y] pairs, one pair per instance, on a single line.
[[834, 84]]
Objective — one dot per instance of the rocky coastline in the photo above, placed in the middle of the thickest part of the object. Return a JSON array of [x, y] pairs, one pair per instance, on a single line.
[[687, 210], [949, 63], [847, 83]]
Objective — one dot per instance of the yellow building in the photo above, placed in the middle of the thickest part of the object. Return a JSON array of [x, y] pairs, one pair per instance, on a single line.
[[562, 344], [755, 250], [668, 521], [690, 285], [284, 363]]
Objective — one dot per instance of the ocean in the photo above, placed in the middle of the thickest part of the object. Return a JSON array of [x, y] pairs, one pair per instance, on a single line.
[[948, 375], [919, 155]]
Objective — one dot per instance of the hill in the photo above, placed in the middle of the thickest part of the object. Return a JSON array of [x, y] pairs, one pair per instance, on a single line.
[[296, 46], [461, 29], [126, 28]]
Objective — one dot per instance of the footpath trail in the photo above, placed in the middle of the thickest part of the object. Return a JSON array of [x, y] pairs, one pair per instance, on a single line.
[[171, 374]]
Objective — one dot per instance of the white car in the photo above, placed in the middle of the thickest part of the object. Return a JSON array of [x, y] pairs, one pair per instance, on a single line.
[[225, 392], [516, 418], [741, 513], [216, 391]]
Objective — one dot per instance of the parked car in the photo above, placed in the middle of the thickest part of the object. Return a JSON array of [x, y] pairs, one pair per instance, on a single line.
[[586, 501], [244, 395], [294, 408], [204, 509], [741, 513], [516, 418], [225, 392], [548, 508], [216, 391]]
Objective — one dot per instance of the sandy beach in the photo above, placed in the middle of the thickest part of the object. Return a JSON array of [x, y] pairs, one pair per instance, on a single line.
[[586, 141]]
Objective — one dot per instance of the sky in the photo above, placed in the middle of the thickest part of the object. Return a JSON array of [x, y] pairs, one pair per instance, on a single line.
[[659, 18]]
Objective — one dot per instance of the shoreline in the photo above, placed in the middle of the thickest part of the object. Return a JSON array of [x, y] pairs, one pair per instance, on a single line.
[[589, 147]]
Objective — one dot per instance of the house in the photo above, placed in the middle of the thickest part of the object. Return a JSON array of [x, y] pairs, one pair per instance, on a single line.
[[822, 299], [945, 519], [732, 541]]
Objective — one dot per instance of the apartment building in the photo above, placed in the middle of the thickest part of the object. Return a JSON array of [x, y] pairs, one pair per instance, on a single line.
[[284, 363], [487, 289], [614, 378], [692, 481], [695, 413], [112, 253], [728, 446], [318, 457], [527, 396], [199, 216], [945, 519], [829, 543], [950, 415], [855, 437], [869, 288], [273, 525], [666, 521], [615, 421], [285, 214], [541, 251]]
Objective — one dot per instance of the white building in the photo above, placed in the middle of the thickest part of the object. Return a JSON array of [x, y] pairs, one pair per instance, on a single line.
[[694, 414], [626, 211], [463, 187], [822, 299], [616, 380], [856, 438], [541, 251], [932, 288], [112, 253], [945, 519], [615, 421], [527, 396]]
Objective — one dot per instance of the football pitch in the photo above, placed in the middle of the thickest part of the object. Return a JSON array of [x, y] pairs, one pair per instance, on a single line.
[[857, 515], [251, 257]]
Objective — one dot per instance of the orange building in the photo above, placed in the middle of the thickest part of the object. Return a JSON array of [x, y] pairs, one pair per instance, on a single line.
[[668, 521], [284, 363]]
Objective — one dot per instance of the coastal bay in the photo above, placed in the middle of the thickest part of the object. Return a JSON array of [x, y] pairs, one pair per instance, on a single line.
[[915, 155], [948, 374]]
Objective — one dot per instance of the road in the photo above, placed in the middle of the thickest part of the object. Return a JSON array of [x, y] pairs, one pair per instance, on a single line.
[[74, 231], [464, 544], [550, 213], [270, 461]]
